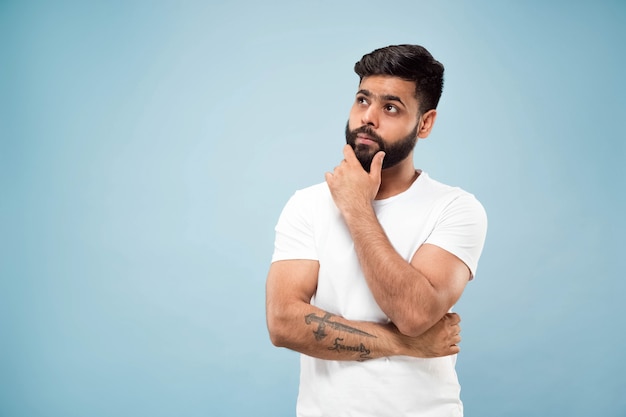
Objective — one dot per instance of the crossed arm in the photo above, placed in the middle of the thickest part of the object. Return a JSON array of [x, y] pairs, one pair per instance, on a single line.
[[296, 324], [415, 295]]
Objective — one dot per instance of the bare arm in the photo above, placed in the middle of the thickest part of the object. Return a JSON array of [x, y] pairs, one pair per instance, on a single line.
[[414, 295], [296, 324]]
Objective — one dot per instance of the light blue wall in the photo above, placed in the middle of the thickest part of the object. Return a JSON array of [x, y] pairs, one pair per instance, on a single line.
[[146, 149]]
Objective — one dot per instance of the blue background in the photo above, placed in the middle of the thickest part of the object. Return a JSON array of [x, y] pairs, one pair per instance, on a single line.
[[147, 149]]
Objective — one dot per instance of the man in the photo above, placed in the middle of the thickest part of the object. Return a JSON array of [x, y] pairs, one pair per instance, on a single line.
[[368, 264]]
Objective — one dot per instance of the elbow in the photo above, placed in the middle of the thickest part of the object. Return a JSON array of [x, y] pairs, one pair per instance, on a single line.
[[416, 321], [277, 338], [414, 326], [412, 329], [277, 329]]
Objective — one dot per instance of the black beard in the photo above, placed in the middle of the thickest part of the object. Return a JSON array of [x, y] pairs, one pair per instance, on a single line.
[[394, 152]]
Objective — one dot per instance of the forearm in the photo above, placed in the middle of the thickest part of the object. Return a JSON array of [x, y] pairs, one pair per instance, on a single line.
[[296, 324], [314, 332], [309, 330], [402, 292]]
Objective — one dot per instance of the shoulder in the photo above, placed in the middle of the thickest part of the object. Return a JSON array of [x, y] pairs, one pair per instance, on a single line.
[[319, 190], [310, 196], [461, 223], [306, 202], [436, 188], [452, 198]]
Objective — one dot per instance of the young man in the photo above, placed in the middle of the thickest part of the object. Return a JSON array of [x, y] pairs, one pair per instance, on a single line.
[[368, 264]]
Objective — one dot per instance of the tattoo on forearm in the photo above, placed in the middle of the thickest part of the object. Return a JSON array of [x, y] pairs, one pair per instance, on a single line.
[[322, 322], [339, 347]]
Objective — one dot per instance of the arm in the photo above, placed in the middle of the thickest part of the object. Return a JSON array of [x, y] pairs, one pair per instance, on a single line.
[[414, 295], [296, 324]]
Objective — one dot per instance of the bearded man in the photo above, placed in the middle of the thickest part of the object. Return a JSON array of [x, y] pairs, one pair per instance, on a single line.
[[368, 264]]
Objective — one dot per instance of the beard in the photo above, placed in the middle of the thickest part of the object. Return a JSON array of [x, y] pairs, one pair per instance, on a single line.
[[394, 152]]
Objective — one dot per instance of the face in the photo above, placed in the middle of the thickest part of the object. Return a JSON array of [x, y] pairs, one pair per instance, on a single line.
[[384, 116], [395, 152]]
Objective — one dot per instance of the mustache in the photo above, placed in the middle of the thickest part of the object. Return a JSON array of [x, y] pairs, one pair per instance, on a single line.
[[365, 129]]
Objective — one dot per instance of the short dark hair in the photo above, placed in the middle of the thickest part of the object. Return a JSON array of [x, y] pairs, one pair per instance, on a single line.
[[411, 63]]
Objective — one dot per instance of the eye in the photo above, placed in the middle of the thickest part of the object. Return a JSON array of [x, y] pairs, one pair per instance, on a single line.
[[362, 100], [390, 108]]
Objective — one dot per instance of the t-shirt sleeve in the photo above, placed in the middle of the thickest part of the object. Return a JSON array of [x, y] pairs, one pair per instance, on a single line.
[[461, 230], [294, 231]]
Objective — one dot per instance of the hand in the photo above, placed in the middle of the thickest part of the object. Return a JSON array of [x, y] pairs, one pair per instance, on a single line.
[[351, 186], [440, 340]]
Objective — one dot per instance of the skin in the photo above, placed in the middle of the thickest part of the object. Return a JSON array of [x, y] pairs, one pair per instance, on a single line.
[[290, 286], [415, 295]]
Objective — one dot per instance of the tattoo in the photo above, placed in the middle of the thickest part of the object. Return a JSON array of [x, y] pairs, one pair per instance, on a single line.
[[364, 352], [325, 321]]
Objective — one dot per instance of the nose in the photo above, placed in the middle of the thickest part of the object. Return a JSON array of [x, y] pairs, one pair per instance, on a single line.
[[370, 117]]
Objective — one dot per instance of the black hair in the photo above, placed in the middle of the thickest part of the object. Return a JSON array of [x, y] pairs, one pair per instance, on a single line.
[[411, 63]]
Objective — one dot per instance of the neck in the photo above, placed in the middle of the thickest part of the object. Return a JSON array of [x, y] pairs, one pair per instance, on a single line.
[[397, 179]]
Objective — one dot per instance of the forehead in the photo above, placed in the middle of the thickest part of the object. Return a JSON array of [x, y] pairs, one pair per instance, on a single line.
[[386, 85]]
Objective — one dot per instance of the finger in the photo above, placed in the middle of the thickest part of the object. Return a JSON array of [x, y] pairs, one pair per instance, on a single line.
[[349, 155], [377, 164]]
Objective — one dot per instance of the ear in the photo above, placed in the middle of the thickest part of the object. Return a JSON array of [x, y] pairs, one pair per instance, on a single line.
[[426, 123]]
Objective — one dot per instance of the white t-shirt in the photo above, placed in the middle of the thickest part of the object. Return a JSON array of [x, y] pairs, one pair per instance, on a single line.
[[311, 227]]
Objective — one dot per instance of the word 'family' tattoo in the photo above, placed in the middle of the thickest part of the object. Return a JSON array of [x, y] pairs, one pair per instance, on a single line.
[[325, 321], [364, 352]]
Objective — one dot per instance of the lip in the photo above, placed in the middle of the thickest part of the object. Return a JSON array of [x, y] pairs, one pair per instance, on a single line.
[[364, 139]]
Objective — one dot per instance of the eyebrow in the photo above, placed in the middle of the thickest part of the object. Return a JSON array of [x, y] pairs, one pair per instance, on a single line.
[[385, 97]]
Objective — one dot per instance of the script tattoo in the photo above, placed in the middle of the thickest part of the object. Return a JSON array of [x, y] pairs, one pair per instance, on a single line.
[[338, 346], [322, 322]]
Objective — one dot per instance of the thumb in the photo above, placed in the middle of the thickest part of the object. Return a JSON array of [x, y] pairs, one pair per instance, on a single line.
[[377, 164]]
